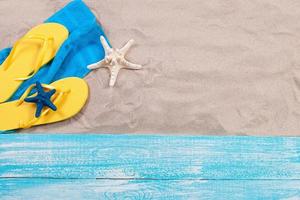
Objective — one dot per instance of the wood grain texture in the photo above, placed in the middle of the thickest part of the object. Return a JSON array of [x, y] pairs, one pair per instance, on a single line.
[[49, 189], [149, 157], [148, 167]]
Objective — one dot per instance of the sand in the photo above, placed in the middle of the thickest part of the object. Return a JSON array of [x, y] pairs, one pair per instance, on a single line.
[[210, 67]]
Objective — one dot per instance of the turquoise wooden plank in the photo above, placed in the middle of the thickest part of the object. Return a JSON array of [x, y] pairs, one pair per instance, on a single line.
[[150, 157], [49, 189]]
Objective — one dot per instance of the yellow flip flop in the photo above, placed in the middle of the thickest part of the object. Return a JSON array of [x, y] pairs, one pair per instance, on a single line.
[[51, 103], [29, 54]]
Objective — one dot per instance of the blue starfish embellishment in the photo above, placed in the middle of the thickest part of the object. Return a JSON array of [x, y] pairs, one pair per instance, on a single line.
[[42, 99]]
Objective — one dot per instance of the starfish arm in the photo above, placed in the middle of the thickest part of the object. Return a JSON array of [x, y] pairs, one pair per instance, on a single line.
[[48, 102], [126, 48], [106, 47], [97, 65], [114, 75], [51, 93], [129, 65], [50, 105], [39, 108], [39, 86]]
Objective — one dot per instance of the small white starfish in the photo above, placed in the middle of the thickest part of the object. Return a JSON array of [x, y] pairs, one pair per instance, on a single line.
[[115, 60]]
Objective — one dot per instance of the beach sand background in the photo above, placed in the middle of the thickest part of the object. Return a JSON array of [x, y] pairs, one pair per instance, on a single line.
[[210, 67]]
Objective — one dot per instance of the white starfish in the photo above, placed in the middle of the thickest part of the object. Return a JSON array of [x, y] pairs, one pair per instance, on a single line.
[[115, 60]]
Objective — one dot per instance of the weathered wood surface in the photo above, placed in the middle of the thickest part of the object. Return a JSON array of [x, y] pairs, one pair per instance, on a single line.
[[148, 167], [91, 189]]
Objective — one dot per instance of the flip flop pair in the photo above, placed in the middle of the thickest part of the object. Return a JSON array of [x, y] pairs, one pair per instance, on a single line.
[[80, 49], [49, 103]]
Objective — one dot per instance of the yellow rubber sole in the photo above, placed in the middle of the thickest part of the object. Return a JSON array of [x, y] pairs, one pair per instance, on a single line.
[[25, 55], [12, 114]]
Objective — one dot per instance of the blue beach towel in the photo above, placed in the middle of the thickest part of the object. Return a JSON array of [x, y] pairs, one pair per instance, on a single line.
[[3, 54], [83, 47]]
